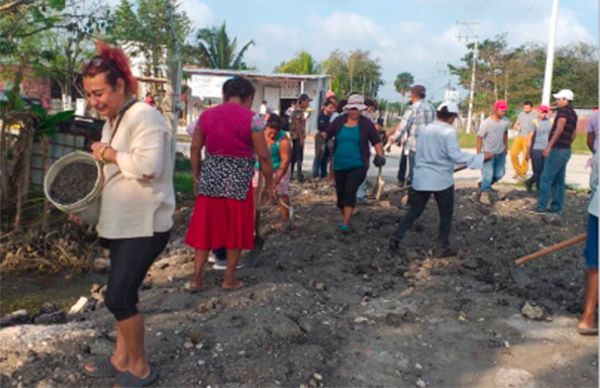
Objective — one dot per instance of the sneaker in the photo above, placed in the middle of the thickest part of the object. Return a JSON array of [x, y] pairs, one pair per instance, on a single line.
[[343, 228], [444, 251], [484, 198], [529, 186], [221, 265], [212, 258]]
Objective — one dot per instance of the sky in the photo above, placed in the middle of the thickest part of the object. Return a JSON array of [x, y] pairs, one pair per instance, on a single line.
[[418, 36]]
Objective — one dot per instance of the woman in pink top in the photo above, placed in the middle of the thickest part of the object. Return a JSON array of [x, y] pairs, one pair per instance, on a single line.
[[224, 211]]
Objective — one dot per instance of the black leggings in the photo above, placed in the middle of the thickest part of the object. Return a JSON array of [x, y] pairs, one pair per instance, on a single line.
[[130, 259], [417, 201], [346, 185]]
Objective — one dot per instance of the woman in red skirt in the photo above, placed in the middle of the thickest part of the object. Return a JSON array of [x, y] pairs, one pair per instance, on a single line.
[[231, 135]]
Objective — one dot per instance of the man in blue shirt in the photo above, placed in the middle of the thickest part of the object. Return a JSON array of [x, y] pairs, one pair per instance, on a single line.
[[437, 153]]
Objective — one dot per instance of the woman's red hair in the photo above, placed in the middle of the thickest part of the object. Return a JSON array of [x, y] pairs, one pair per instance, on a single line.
[[113, 62]]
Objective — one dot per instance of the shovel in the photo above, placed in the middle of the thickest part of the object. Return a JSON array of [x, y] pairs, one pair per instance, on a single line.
[[521, 277], [379, 185]]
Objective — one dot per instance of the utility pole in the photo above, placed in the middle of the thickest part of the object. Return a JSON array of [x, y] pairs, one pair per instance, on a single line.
[[550, 54], [474, 35], [173, 86]]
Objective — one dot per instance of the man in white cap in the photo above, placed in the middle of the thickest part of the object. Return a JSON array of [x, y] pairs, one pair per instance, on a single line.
[[437, 153], [557, 154]]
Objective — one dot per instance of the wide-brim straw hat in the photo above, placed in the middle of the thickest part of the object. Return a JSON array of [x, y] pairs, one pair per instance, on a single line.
[[356, 101]]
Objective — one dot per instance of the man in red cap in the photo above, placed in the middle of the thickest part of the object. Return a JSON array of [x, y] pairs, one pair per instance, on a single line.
[[537, 143], [493, 137]]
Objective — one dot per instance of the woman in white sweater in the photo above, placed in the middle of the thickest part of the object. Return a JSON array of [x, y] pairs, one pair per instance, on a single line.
[[137, 205]]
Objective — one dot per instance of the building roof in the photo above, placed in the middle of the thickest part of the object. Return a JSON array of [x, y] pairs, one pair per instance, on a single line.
[[253, 74]]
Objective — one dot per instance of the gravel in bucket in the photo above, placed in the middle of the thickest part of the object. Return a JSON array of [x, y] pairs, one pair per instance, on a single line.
[[73, 182]]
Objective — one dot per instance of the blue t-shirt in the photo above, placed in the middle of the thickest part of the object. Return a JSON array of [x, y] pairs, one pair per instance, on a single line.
[[347, 149]]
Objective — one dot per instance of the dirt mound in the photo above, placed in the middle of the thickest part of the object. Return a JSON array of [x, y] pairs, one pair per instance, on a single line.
[[322, 309]]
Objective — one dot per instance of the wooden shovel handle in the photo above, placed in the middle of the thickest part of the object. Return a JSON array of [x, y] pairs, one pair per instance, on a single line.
[[551, 249]]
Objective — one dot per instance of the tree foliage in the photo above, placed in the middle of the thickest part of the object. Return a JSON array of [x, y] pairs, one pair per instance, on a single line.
[[517, 74], [403, 82], [302, 63], [355, 72], [219, 50]]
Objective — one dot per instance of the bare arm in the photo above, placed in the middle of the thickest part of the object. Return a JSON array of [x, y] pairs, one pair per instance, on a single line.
[[285, 151], [196, 153], [505, 137], [264, 157], [591, 139], [560, 127], [479, 144]]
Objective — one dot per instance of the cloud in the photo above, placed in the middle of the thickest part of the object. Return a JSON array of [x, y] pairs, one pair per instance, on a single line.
[[403, 46], [200, 14]]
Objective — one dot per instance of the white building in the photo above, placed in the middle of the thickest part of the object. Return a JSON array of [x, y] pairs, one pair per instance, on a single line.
[[279, 90]]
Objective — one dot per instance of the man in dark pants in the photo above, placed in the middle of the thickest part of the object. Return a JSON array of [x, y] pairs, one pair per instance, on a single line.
[[437, 153], [298, 134], [321, 159]]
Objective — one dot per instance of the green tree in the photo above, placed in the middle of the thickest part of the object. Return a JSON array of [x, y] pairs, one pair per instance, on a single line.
[[517, 74], [219, 49], [303, 63], [403, 82], [353, 73], [124, 26], [153, 36]]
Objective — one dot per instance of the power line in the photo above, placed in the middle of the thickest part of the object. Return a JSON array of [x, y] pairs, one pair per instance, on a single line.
[[531, 5]]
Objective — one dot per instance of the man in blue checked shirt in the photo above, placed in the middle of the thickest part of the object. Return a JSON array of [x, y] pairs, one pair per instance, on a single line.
[[420, 114]]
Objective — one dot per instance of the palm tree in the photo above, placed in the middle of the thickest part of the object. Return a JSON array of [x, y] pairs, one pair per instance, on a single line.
[[219, 50], [403, 82]]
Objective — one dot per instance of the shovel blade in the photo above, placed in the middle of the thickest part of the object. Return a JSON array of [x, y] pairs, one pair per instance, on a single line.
[[519, 276]]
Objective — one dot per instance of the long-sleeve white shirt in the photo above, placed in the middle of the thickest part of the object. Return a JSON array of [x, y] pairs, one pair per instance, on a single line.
[[131, 205], [436, 155]]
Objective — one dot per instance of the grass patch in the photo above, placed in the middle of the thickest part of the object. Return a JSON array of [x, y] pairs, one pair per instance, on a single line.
[[184, 183], [469, 140]]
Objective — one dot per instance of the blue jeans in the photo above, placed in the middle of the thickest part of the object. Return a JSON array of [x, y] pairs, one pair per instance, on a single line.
[[493, 171], [552, 182]]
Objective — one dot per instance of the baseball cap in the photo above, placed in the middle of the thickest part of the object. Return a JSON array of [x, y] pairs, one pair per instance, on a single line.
[[304, 97], [450, 106], [564, 93], [329, 94], [543, 108], [501, 105]]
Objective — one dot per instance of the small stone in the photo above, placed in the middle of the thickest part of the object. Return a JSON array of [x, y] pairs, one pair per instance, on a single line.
[[18, 317], [201, 362], [418, 366], [78, 306], [531, 311], [188, 345], [52, 318], [101, 264], [421, 383], [318, 376], [361, 320], [320, 286], [506, 344]]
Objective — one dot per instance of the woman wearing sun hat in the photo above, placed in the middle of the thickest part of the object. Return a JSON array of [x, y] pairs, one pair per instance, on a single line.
[[352, 133]]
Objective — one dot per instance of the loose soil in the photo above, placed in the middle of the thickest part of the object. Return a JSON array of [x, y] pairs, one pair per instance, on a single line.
[[322, 309], [73, 182]]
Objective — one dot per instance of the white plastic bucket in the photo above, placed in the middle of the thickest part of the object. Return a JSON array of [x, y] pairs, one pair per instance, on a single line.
[[87, 208]]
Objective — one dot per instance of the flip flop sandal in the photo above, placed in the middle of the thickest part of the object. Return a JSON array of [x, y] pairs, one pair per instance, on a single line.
[[187, 287], [126, 379], [238, 287], [103, 368], [587, 330]]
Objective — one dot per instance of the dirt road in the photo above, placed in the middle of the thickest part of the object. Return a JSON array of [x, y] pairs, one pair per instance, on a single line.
[[323, 309]]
